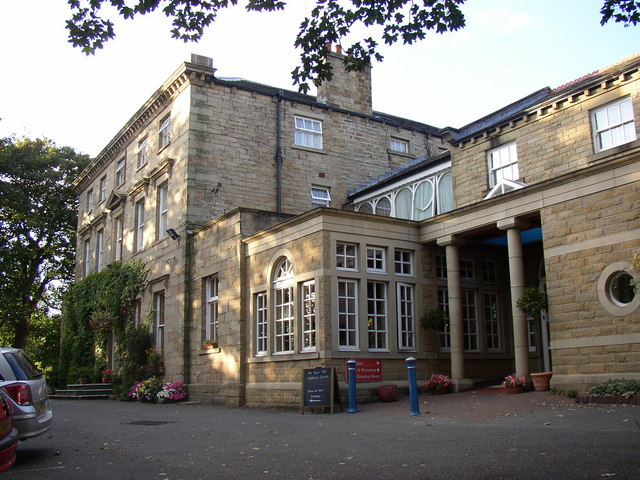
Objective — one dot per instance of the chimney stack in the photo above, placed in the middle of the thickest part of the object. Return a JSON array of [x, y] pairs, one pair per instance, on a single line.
[[348, 90]]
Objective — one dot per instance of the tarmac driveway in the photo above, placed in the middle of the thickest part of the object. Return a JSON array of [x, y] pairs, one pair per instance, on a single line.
[[458, 436]]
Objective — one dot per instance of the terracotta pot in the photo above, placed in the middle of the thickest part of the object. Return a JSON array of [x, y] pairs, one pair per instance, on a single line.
[[388, 393], [541, 381], [515, 389]]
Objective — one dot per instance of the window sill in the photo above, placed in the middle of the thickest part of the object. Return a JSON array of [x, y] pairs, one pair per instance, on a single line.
[[594, 157], [208, 351], [309, 149], [400, 154]]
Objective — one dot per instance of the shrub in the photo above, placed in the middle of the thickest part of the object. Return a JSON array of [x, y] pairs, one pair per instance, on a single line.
[[616, 387]]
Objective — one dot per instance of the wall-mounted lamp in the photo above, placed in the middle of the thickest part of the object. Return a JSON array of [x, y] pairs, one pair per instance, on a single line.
[[173, 234]]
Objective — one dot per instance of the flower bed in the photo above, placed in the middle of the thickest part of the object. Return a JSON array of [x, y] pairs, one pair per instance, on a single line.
[[153, 390]]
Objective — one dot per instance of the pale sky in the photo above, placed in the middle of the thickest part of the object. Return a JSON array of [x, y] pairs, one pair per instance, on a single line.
[[508, 49]]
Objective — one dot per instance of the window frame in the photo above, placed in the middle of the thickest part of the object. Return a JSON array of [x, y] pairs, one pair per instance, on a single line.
[[90, 200], [308, 316], [102, 194], [283, 308], [406, 316], [401, 265], [491, 319], [511, 149], [308, 137], [398, 141], [164, 132], [159, 321], [86, 255], [211, 313], [140, 219], [262, 323], [377, 317], [376, 259], [443, 304], [121, 171], [349, 315], [469, 320], [143, 149], [99, 250], [118, 232], [320, 200], [597, 132], [346, 256], [162, 210]]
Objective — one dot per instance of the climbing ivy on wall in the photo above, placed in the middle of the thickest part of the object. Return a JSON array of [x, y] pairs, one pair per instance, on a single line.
[[94, 307]]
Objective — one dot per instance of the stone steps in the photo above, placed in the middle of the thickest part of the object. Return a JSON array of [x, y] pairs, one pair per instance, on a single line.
[[88, 391]]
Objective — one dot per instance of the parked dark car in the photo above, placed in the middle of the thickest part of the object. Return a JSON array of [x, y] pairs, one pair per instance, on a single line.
[[25, 390], [8, 436]]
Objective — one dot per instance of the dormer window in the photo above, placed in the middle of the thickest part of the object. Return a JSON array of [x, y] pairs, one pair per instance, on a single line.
[[613, 124]]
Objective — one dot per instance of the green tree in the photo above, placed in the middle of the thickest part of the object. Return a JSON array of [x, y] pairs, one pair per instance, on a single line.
[[38, 213], [329, 22]]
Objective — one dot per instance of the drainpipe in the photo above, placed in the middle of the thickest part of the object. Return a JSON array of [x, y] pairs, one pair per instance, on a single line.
[[187, 309], [279, 158]]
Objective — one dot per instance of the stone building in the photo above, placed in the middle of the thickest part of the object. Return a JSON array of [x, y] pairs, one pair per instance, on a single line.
[[284, 231]]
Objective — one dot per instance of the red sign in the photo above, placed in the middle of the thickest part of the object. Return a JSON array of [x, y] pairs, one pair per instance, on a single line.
[[367, 370]]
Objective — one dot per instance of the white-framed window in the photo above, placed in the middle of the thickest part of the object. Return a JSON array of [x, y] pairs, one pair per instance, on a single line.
[[492, 322], [348, 315], [90, 200], [139, 224], [283, 307], [142, 153], [346, 256], [532, 333], [308, 132], [262, 318], [489, 271], [377, 315], [613, 124], [320, 197], [121, 170], [309, 316], [376, 260], [403, 262], [158, 315], [443, 304], [99, 250], [398, 145], [211, 308], [163, 210], [467, 270], [118, 238], [102, 194], [164, 132], [86, 254], [441, 267], [406, 317], [503, 164], [470, 321]]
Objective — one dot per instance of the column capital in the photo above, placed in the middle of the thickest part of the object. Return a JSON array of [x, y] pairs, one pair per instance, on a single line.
[[512, 222], [450, 240]]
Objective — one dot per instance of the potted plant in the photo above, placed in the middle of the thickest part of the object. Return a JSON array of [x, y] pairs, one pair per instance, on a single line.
[[209, 344], [438, 384], [434, 319], [542, 381], [514, 383], [532, 301], [108, 375]]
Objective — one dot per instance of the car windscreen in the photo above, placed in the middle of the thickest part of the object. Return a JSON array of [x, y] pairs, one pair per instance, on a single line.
[[22, 366]]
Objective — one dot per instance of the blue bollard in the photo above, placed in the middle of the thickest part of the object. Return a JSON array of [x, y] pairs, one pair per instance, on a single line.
[[413, 387], [353, 394]]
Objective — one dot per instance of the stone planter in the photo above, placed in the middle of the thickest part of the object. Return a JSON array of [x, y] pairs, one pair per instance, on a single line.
[[541, 381], [388, 393], [515, 389]]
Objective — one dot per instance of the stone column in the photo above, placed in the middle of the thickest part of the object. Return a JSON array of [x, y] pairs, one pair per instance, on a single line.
[[513, 227], [456, 329]]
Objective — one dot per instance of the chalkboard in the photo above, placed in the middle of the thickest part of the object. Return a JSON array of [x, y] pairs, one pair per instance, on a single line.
[[320, 388]]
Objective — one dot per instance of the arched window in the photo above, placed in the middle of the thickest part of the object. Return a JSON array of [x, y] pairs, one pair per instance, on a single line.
[[403, 203], [365, 208], [383, 207], [423, 201], [445, 192], [283, 307]]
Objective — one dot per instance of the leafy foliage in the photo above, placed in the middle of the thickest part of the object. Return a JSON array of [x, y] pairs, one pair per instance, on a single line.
[[109, 294], [532, 301], [616, 387], [329, 22], [38, 212], [623, 11]]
